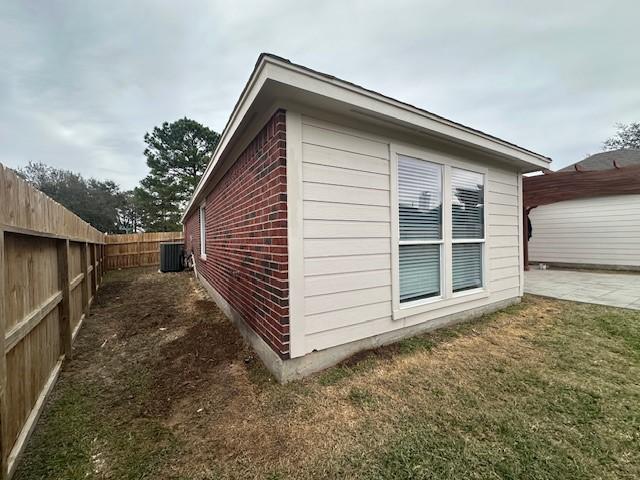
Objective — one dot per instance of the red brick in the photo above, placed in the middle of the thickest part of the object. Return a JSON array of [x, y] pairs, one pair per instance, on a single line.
[[247, 236]]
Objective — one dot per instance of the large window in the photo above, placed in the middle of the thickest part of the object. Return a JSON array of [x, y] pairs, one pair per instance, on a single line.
[[203, 231], [420, 215], [441, 231]]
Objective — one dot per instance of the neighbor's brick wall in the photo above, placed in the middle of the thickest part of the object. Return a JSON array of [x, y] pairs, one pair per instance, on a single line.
[[246, 236]]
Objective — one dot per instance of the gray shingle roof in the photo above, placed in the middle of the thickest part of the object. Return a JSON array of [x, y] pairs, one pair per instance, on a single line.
[[604, 160]]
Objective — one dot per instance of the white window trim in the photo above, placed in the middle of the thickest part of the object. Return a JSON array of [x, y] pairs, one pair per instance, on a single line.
[[202, 224], [446, 297]]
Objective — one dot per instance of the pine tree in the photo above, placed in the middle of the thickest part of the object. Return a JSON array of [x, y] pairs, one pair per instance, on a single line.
[[177, 155]]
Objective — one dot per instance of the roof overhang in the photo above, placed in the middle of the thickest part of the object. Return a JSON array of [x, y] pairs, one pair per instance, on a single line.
[[278, 82]]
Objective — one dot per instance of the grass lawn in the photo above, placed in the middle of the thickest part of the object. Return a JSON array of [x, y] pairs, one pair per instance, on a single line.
[[162, 387]]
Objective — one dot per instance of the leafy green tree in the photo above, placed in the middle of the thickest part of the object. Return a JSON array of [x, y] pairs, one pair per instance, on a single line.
[[627, 136], [96, 202], [177, 155]]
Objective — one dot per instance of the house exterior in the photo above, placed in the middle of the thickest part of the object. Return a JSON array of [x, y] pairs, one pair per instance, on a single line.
[[596, 221], [333, 219]]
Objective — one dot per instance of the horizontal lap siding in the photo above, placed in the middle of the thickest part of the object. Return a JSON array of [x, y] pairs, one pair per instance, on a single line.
[[503, 231], [347, 236], [246, 236], [597, 231], [347, 230]]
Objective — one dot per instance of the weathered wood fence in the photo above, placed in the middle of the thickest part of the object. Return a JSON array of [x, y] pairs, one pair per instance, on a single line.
[[136, 249], [51, 265]]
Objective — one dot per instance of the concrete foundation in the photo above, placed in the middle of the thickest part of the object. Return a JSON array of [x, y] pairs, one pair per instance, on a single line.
[[296, 368]]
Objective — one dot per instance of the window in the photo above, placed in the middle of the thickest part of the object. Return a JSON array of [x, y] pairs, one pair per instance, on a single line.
[[467, 213], [441, 233], [420, 220], [203, 230]]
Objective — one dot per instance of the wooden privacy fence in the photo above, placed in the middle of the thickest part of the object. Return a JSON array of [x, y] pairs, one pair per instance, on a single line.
[[136, 249], [51, 264]]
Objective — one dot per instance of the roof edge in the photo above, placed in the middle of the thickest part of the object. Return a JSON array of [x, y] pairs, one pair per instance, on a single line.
[[286, 63], [265, 58], [224, 135]]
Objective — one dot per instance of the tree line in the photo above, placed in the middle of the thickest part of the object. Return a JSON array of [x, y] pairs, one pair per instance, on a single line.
[[176, 153]]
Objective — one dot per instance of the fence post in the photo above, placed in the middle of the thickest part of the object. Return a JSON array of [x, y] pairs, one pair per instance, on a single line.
[[63, 282], [106, 263], [100, 263], [94, 270], [139, 250], [98, 272], [4, 447], [84, 265]]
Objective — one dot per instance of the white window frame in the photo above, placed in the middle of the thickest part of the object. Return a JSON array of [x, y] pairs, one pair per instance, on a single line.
[[202, 220], [465, 241], [439, 242], [446, 297]]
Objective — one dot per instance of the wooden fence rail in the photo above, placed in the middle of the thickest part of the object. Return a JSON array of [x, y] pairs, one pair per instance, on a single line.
[[136, 249], [51, 265]]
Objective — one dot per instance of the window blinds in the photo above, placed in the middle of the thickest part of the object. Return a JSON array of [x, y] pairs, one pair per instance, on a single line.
[[419, 271], [467, 266], [467, 211], [420, 215], [420, 198], [467, 204]]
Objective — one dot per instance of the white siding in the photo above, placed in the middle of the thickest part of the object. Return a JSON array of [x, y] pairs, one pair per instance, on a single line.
[[503, 234], [347, 237], [594, 231]]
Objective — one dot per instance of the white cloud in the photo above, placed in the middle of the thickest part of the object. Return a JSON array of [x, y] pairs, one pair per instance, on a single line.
[[85, 80]]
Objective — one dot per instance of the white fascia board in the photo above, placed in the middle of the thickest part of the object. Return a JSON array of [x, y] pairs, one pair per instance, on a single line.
[[368, 101]]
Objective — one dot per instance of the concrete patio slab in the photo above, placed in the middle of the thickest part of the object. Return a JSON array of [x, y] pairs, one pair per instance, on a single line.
[[614, 289]]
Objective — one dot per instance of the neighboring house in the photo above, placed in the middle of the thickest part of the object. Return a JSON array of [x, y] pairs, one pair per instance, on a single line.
[[587, 214], [333, 219], [623, 157]]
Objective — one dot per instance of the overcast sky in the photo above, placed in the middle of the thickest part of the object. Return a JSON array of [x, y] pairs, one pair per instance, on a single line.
[[82, 81]]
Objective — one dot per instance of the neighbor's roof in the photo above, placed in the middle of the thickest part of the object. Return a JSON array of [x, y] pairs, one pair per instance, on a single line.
[[284, 72], [623, 157]]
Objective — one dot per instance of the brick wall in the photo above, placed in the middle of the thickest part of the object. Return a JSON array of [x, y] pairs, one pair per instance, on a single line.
[[246, 236], [192, 234]]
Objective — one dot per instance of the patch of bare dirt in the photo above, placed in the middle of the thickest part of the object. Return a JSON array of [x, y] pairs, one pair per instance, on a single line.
[[194, 360], [153, 341]]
